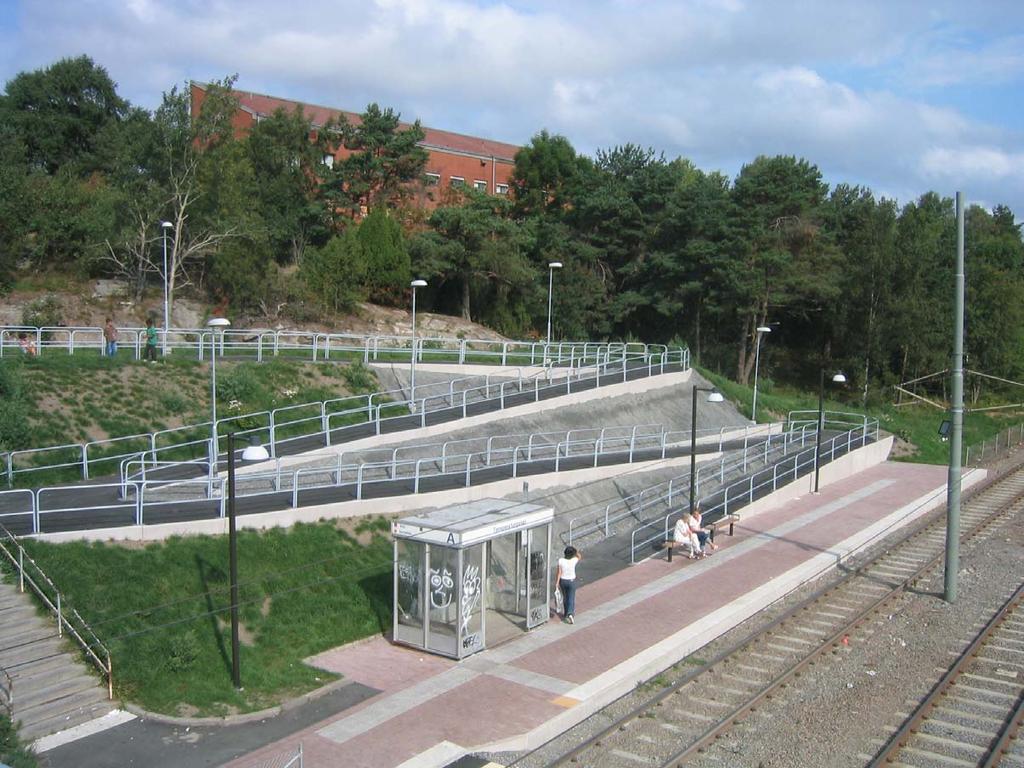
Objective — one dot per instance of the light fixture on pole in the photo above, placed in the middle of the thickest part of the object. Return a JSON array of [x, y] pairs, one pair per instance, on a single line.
[[167, 310], [552, 266], [714, 396], [837, 378], [412, 374], [254, 452], [217, 324], [761, 330]]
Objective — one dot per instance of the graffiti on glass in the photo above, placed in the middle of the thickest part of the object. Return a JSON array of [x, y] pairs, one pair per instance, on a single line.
[[470, 594], [441, 583]]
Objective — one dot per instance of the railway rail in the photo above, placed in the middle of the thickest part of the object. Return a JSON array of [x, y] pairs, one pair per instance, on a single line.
[[686, 709], [972, 715]]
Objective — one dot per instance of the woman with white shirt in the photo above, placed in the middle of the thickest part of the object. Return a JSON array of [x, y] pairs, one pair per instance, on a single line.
[[565, 579], [684, 535]]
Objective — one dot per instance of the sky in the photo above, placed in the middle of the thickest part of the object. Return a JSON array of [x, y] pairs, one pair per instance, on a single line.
[[901, 97]]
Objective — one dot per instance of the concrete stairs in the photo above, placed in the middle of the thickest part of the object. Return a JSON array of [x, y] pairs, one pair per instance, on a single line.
[[53, 688]]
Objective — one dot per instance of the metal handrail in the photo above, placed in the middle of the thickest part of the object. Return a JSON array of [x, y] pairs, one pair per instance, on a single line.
[[364, 410], [94, 648], [801, 460], [666, 490]]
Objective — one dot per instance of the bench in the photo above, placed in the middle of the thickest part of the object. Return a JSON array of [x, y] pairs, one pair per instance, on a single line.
[[730, 519]]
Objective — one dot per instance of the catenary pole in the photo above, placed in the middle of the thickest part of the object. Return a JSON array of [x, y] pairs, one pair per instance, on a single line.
[[957, 389]]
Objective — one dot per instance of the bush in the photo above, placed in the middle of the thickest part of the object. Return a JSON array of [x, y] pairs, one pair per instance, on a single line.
[[183, 651], [12, 753], [359, 378], [386, 256], [45, 311]]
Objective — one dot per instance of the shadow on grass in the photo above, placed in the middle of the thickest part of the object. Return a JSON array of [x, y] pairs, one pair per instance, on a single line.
[[212, 574], [378, 590]]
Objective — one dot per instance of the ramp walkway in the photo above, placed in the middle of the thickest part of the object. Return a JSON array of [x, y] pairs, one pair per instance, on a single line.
[[630, 625]]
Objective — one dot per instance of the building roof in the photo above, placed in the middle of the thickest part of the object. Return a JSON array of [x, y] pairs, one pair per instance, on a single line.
[[261, 105]]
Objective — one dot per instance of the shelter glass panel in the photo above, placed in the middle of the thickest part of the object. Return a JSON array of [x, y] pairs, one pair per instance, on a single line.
[[409, 566], [443, 600], [471, 630]]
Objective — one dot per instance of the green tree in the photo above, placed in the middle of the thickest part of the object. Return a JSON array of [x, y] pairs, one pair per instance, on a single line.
[[336, 272], [545, 174], [477, 246], [385, 254], [379, 160], [58, 113], [287, 165]]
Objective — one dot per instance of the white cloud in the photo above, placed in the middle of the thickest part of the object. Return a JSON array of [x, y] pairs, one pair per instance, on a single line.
[[847, 85]]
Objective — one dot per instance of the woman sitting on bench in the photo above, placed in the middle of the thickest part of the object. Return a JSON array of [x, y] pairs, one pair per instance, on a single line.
[[685, 537]]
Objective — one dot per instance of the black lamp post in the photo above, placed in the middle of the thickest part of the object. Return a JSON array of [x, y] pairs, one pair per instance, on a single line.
[[251, 453], [837, 378], [714, 396]]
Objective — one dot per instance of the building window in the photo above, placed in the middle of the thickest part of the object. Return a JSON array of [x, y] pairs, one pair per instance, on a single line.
[[457, 181], [501, 189], [329, 161], [480, 186], [432, 179]]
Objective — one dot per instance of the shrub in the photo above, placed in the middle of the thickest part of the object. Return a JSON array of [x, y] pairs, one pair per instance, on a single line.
[[182, 652], [335, 273], [43, 311], [359, 378]]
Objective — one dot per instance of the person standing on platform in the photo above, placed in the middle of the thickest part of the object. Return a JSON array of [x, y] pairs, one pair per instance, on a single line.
[[150, 341], [110, 337], [565, 581]]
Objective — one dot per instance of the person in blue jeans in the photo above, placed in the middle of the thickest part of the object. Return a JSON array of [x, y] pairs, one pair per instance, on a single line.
[[110, 337], [565, 579]]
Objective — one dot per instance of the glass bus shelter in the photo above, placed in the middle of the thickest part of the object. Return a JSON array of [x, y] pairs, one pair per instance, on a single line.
[[471, 575]]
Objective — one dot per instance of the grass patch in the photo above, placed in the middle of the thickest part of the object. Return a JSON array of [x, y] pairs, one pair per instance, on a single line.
[[163, 609], [62, 399]]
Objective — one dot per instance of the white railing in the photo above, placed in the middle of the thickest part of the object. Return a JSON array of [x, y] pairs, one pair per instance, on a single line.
[[134, 502], [743, 492], [316, 421], [68, 619], [752, 452], [313, 345]]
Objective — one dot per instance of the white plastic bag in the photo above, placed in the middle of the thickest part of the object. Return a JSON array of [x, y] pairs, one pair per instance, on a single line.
[[558, 600]]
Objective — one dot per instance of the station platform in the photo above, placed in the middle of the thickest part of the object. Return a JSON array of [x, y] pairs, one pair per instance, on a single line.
[[630, 625]]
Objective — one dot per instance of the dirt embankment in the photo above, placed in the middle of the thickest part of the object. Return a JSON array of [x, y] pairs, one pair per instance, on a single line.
[[89, 303]]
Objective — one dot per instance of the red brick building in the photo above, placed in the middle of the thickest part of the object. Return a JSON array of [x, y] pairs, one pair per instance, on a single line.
[[454, 160]]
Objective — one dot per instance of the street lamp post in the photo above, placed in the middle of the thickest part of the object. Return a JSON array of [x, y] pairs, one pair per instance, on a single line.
[[412, 375], [714, 396], [217, 324], [552, 266], [761, 330], [837, 378], [251, 453], [167, 311]]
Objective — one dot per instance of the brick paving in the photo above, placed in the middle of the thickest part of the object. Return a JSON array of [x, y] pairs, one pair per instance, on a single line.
[[629, 625]]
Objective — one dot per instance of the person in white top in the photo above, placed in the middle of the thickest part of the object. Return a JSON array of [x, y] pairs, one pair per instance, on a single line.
[[565, 580], [684, 535], [702, 533]]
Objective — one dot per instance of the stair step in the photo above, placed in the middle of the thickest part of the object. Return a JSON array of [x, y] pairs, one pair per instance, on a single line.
[[12, 659], [77, 709], [14, 640], [56, 686], [27, 671], [12, 614]]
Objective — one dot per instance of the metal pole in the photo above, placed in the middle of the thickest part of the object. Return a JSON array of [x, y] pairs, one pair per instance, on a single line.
[[412, 375], [167, 313], [693, 445], [821, 426], [757, 361], [956, 435], [551, 280], [213, 401], [236, 673]]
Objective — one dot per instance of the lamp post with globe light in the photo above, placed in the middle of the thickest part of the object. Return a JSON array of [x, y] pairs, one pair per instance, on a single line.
[[837, 378], [761, 330]]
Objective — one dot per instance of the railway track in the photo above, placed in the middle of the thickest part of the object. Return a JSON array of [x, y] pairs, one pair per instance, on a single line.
[[684, 712], [972, 715]]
